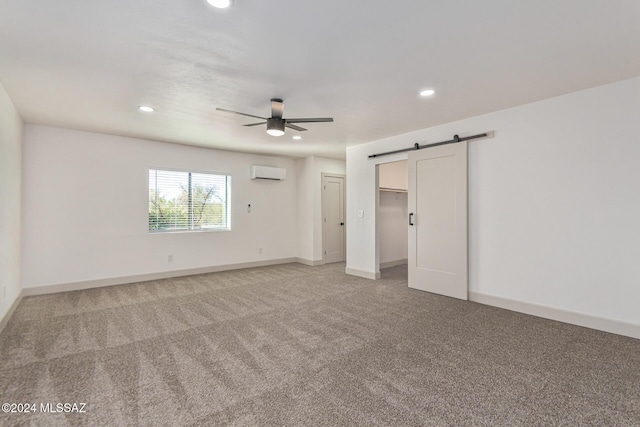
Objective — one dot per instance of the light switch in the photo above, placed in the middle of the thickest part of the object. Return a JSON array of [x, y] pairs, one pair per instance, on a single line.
[[360, 213]]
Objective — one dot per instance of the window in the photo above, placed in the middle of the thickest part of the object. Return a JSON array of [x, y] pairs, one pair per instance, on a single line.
[[181, 201]]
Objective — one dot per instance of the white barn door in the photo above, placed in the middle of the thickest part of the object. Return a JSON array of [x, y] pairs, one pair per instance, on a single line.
[[438, 220]]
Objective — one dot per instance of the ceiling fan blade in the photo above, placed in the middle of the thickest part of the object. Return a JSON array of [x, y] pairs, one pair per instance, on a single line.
[[310, 120], [277, 108], [242, 114], [298, 128], [256, 124]]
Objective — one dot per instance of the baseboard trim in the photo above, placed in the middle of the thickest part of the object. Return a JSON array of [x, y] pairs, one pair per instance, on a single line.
[[362, 273], [88, 284], [9, 313], [389, 264], [310, 262], [575, 318]]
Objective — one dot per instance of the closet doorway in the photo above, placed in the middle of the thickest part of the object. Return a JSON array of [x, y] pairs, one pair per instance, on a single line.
[[392, 215]]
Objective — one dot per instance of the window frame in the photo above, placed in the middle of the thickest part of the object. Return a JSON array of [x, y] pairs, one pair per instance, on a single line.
[[229, 177]]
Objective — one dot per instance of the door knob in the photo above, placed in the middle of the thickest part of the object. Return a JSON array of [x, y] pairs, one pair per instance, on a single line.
[[342, 223]]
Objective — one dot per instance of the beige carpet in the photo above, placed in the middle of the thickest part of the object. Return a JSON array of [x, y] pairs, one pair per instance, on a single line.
[[304, 346]]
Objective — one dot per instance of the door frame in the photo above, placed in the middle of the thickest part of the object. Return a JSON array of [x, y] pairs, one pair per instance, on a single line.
[[389, 159], [344, 210]]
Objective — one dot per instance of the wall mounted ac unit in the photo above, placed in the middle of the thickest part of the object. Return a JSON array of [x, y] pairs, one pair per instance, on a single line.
[[267, 172]]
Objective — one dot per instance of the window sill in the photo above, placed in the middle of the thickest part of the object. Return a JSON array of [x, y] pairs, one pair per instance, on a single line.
[[201, 230]]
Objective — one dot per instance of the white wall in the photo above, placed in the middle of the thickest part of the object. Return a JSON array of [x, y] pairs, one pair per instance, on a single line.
[[306, 193], [85, 204], [310, 172], [11, 127], [553, 201], [392, 226]]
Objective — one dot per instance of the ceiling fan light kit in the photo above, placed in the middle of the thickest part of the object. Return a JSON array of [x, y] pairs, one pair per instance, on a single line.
[[276, 123], [220, 4], [275, 126]]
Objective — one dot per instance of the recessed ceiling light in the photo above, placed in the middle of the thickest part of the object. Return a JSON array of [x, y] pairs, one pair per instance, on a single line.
[[427, 92], [146, 109], [297, 137], [220, 4]]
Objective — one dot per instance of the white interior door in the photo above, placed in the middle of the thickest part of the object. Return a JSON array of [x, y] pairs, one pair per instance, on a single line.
[[437, 255], [333, 227]]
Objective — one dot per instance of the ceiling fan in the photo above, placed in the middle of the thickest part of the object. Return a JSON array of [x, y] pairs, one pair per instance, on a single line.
[[276, 123]]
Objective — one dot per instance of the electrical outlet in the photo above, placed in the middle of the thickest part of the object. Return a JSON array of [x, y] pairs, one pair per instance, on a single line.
[[170, 258]]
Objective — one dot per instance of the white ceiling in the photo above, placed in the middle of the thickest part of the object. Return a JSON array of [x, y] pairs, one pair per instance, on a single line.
[[87, 64]]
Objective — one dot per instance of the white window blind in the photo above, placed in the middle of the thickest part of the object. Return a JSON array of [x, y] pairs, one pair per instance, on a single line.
[[181, 201]]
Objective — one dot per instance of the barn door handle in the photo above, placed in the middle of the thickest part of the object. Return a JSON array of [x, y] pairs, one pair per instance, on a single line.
[[411, 218]]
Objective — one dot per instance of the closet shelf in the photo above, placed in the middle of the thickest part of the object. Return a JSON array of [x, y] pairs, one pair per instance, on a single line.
[[393, 190]]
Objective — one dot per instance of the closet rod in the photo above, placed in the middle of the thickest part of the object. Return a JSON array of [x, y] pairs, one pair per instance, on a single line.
[[417, 146]]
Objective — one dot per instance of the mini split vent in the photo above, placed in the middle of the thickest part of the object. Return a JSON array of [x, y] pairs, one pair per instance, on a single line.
[[267, 172]]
